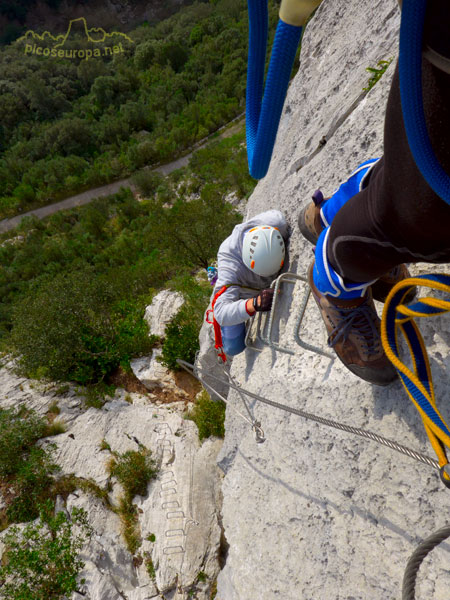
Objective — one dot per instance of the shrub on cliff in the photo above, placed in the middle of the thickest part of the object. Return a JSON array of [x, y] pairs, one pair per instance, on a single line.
[[209, 416], [42, 561], [75, 327], [181, 334], [133, 470], [181, 340], [19, 431], [26, 468]]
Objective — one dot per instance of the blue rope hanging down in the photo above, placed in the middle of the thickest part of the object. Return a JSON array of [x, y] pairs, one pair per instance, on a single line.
[[410, 65], [263, 113]]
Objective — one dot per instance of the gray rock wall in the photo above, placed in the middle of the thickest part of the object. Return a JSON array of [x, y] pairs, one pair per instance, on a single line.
[[178, 518], [314, 513]]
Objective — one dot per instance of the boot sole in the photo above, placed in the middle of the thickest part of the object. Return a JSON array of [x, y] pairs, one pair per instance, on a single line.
[[305, 231], [361, 372]]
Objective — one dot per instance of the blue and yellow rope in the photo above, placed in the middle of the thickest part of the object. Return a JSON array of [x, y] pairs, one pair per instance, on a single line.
[[398, 318]]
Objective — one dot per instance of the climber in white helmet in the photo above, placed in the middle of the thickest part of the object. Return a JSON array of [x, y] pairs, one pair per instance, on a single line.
[[248, 261]]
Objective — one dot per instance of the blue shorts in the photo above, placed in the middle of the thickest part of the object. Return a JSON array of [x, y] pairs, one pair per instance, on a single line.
[[233, 338]]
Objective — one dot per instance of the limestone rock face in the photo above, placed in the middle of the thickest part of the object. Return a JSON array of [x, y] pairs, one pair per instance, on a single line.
[[179, 518], [151, 372], [316, 513], [163, 308]]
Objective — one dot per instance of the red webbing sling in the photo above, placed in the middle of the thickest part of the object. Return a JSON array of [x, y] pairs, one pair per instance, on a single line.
[[217, 332]]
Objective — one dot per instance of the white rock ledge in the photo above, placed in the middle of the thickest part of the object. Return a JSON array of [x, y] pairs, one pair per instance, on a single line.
[[181, 508]]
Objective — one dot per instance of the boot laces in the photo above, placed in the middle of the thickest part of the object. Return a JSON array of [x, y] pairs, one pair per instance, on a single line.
[[360, 321]]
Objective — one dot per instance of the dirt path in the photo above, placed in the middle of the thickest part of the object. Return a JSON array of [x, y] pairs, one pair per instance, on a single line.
[[113, 188]]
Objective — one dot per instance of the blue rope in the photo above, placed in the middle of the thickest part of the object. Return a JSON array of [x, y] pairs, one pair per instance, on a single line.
[[263, 114], [410, 64]]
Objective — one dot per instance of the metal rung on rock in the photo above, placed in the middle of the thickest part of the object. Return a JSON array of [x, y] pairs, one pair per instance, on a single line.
[[267, 339]]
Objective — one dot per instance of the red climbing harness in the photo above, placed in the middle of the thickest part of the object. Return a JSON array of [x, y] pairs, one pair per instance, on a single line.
[[217, 332]]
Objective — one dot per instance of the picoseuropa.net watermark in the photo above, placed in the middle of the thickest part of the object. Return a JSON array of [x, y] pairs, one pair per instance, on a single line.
[[54, 46], [73, 52]]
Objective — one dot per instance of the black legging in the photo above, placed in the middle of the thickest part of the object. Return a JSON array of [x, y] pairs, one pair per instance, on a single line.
[[398, 218]]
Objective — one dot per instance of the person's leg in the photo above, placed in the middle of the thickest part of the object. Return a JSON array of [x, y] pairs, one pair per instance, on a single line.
[[233, 338], [397, 218], [320, 213], [357, 181]]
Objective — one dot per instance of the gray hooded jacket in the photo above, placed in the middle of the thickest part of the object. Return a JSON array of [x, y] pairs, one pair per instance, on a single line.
[[230, 306]]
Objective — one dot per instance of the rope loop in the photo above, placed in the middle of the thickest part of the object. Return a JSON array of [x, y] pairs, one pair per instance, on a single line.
[[399, 318]]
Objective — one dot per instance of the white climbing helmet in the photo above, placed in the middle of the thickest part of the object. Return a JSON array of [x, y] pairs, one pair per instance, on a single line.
[[263, 250]]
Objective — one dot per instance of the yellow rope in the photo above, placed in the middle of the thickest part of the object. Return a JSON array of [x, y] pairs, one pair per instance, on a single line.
[[398, 318]]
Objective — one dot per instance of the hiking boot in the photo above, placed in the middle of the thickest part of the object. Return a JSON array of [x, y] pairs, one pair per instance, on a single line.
[[353, 330], [311, 227], [309, 218], [383, 285]]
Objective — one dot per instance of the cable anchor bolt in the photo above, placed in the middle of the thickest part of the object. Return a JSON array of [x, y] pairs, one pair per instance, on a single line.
[[259, 432]]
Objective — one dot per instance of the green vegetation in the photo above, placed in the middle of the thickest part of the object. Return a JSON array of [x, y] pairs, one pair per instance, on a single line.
[[42, 562], [150, 566], [181, 340], [127, 512], [70, 125], [133, 470], [105, 446], [214, 590], [61, 390], [74, 328], [181, 334], [54, 408], [27, 471], [19, 431], [74, 287], [96, 394], [26, 468], [56, 428], [209, 416], [377, 73], [67, 484]]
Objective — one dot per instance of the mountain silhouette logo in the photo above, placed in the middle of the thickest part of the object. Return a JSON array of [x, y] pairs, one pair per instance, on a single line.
[[95, 35]]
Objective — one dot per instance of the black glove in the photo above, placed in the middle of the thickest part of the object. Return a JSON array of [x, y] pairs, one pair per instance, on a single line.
[[263, 302]]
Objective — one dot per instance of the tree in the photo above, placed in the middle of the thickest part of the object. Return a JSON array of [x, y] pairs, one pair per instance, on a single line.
[[173, 53], [44, 101], [103, 90], [144, 55], [148, 182], [137, 115], [69, 136], [12, 110], [88, 71], [42, 562], [191, 231], [76, 327]]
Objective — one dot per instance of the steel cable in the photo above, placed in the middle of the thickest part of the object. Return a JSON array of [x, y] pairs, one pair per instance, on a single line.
[[416, 559], [413, 565], [328, 422]]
